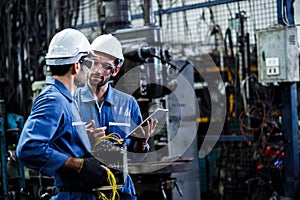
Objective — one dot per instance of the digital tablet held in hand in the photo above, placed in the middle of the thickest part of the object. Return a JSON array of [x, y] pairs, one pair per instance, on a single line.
[[158, 114]]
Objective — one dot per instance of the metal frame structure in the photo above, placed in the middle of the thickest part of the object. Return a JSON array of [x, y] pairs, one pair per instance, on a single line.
[[289, 113], [188, 7], [3, 159]]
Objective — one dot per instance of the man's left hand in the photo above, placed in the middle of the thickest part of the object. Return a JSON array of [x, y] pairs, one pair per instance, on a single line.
[[143, 133]]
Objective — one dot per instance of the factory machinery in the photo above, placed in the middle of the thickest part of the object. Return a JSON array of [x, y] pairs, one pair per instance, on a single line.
[[232, 129]]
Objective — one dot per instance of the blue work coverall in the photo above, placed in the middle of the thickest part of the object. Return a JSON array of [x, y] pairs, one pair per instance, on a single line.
[[119, 112], [53, 132]]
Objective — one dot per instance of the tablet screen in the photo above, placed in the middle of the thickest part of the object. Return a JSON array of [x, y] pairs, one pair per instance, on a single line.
[[158, 114]]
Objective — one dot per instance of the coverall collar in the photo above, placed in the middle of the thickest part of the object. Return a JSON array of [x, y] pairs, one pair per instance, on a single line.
[[60, 86], [87, 95]]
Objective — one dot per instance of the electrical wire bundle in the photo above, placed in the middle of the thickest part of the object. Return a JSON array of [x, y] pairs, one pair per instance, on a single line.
[[113, 184], [111, 151]]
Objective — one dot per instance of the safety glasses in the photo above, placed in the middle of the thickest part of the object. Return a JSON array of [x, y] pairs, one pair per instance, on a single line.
[[90, 63]]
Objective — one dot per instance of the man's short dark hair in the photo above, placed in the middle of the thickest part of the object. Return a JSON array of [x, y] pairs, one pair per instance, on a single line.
[[60, 70]]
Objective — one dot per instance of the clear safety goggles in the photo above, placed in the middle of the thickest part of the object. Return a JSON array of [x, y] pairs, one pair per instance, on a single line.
[[90, 63]]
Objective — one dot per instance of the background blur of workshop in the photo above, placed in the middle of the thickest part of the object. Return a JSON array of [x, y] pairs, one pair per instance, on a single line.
[[227, 70]]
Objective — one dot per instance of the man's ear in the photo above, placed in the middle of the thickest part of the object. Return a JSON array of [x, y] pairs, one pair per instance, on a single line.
[[116, 71], [75, 68]]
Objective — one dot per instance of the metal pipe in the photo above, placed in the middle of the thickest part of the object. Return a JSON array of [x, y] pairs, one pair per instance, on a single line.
[[50, 5], [117, 15], [188, 7], [148, 13], [3, 160]]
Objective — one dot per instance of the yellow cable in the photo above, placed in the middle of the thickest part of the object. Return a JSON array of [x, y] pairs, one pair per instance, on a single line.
[[102, 196], [113, 184], [110, 176], [110, 136]]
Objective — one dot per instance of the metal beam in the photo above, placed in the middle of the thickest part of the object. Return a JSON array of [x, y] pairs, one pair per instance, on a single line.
[[3, 159], [289, 113], [290, 130], [187, 7], [168, 11]]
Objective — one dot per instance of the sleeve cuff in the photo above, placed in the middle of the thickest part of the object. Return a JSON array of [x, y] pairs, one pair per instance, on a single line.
[[56, 160]]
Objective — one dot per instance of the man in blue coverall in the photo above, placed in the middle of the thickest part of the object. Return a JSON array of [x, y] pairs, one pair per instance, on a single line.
[[111, 110], [54, 140]]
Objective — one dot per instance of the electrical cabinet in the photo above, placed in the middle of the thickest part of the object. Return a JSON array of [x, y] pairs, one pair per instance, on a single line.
[[277, 54]]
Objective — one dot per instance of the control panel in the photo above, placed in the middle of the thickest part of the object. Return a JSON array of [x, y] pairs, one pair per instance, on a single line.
[[277, 54]]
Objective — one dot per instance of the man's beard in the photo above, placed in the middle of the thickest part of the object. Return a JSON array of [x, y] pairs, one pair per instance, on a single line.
[[103, 80], [81, 78]]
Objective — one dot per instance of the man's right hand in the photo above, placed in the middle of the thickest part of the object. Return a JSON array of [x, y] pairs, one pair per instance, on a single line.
[[88, 170], [96, 132], [92, 173]]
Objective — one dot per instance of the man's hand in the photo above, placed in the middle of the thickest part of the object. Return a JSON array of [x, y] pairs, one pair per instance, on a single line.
[[142, 134], [88, 170], [96, 132], [92, 173]]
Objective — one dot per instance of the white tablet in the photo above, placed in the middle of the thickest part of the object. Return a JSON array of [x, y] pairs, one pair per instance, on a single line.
[[157, 114]]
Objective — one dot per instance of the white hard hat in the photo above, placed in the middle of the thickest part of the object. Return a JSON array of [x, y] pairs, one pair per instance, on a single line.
[[110, 45], [67, 47]]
